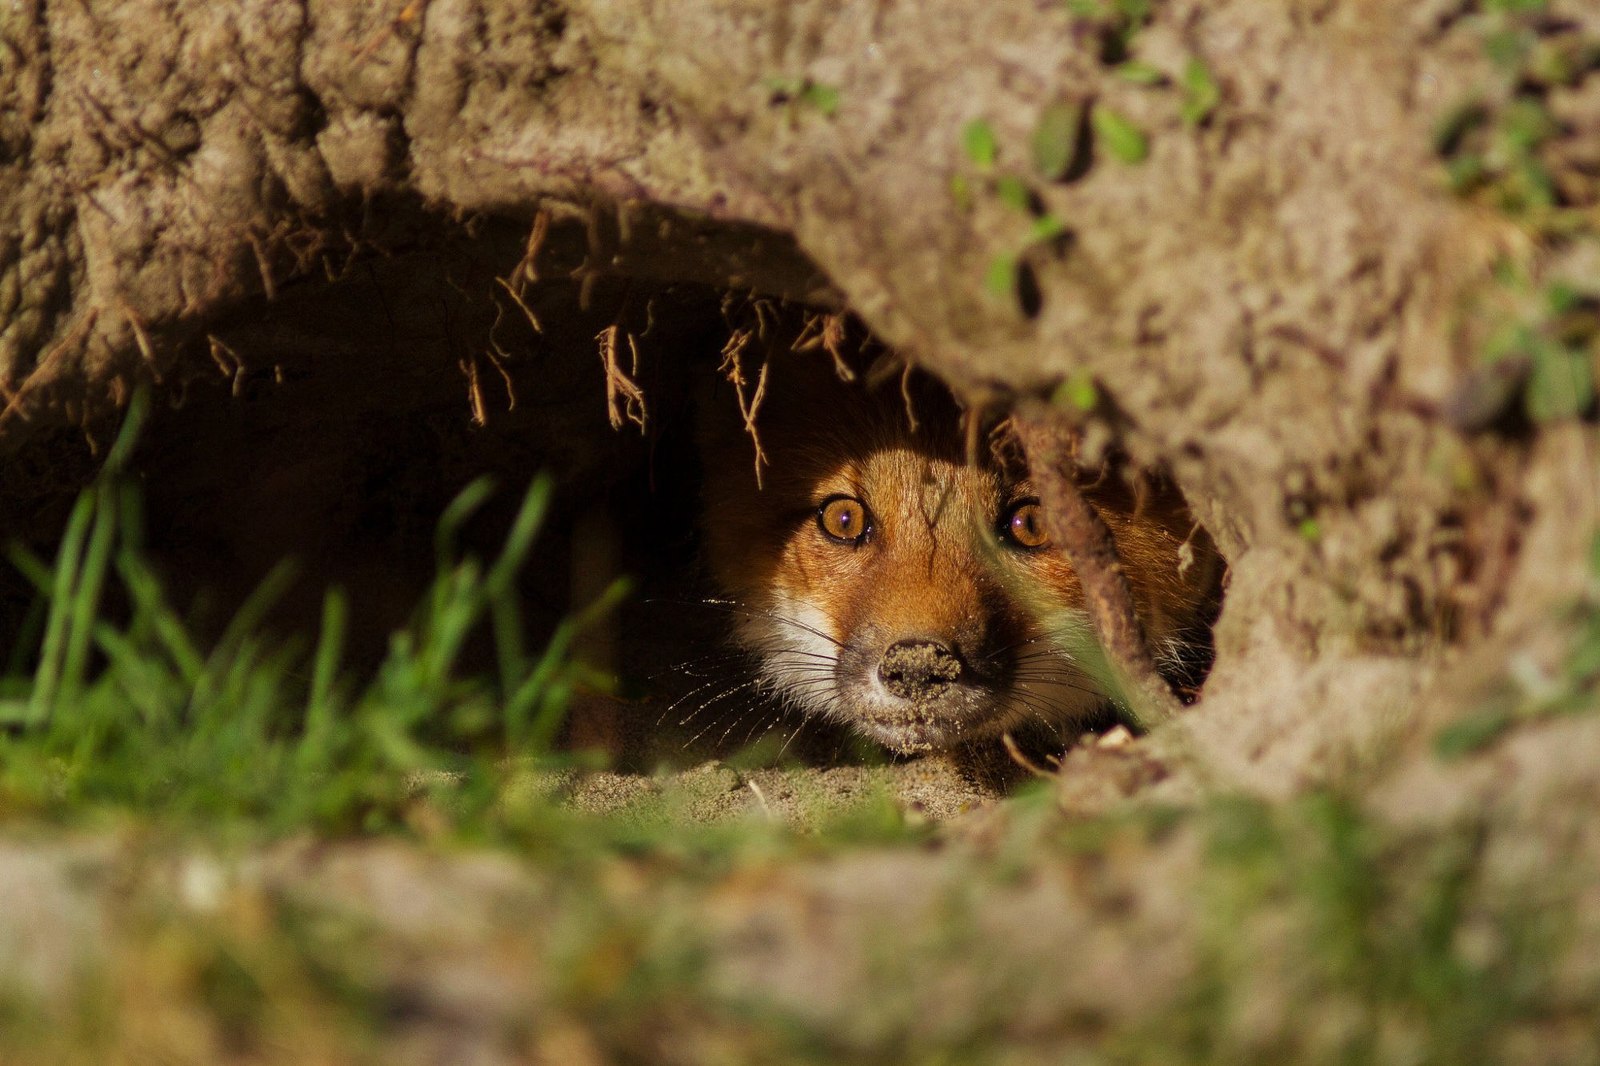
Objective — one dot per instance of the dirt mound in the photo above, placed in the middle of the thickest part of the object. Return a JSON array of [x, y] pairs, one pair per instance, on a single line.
[[1330, 266]]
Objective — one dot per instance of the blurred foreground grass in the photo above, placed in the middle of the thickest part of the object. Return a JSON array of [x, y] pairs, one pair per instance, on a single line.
[[240, 853], [256, 730]]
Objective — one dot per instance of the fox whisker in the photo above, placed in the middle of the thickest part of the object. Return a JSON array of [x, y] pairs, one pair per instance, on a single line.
[[673, 706], [741, 655], [745, 610], [991, 657], [733, 690], [804, 721], [1072, 684]]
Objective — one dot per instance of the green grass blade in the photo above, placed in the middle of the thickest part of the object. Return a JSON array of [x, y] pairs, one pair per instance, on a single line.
[[247, 620], [325, 664], [28, 635], [505, 615], [455, 515], [127, 435], [68, 563], [86, 597], [458, 604], [144, 682], [35, 570], [130, 510], [525, 528], [152, 612], [531, 717]]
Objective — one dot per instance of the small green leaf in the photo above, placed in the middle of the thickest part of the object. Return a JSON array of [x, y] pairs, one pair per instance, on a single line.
[[1055, 139], [1583, 663], [786, 88], [1516, 6], [1309, 529], [1201, 94], [1525, 124], [1141, 73], [1561, 384], [1077, 391], [1013, 192], [1554, 64], [1135, 11], [1471, 734], [977, 138], [1508, 48], [961, 191], [1528, 187], [1121, 138], [1562, 297], [825, 98], [1001, 277], [1046, 228], [1509, 340], [1466, 173], [1506, 272]]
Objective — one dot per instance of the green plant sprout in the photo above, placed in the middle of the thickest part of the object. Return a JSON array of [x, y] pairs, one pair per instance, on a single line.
[[820, 97], [1201, 94], [1119, 136]]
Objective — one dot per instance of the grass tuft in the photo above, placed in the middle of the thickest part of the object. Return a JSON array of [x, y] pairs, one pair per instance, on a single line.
[[110, 701]]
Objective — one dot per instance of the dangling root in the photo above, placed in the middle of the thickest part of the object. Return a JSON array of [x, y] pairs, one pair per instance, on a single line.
[[624, 398], [732, 367]]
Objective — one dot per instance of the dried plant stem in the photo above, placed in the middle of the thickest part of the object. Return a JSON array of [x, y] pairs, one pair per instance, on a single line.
[[1079, 531]]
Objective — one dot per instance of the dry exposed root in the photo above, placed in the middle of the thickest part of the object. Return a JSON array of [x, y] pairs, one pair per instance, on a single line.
[[624, 398], [1082, 534], [732, 367]]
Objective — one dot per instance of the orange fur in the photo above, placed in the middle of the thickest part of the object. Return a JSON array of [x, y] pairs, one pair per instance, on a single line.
[[924, 634]]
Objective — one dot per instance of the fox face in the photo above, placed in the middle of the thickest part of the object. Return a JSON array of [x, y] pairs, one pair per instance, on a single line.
[[882, 580]]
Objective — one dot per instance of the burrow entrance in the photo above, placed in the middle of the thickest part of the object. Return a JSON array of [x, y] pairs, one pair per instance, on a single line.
[[327, 427]]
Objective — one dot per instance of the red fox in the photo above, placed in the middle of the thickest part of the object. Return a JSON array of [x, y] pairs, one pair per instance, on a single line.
[[881, 580]]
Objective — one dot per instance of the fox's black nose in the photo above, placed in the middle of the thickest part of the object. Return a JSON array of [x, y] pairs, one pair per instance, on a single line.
[[919, 669]]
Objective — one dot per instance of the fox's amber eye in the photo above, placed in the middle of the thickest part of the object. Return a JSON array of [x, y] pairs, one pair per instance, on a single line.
[[1023, 525], [843, 518]]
